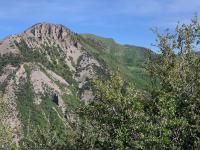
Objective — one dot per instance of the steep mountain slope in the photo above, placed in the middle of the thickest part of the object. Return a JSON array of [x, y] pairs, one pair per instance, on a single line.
[[127, 59], [44, 71]]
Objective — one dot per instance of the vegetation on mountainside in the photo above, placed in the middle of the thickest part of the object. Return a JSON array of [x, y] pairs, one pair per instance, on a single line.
[[9, 58], [37, 118], [121, 117], [57, 63], [125, 59], [51, 136], [6, 139], [168, 118]]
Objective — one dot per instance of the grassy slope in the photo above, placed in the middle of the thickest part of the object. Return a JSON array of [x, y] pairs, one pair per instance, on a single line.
[[127, 59]]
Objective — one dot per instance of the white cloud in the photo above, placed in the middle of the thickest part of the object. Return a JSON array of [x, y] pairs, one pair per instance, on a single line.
[[91, 8], [184, 6]]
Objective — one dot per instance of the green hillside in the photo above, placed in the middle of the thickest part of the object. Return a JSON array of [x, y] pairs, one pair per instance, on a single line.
[[127, 59]]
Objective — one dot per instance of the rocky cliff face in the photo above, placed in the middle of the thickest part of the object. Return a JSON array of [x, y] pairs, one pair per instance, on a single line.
[[44, 62]]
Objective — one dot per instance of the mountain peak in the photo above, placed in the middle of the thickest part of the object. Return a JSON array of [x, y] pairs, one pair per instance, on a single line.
[[40, 24], [42, 30]]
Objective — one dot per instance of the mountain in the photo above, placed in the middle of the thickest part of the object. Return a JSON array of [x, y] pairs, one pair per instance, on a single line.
[[46, 70]]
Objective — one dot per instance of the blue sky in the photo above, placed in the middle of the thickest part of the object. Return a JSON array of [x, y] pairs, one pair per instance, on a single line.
[[127, 21]]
